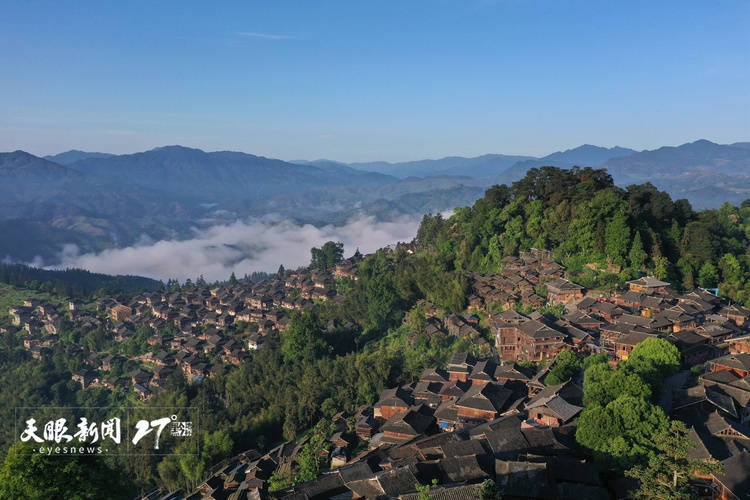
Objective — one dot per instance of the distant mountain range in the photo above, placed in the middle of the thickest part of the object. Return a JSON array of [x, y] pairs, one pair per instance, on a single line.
[[480, 166], [491, 165], [704, 172], [100, 200]]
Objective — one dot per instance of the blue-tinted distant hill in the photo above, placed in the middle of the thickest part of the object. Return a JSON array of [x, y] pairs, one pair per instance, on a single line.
[[480, 166], [585, 155], [704, 172], [25, 166], [693, 157], [75, 155], [192, 173], [492, 165]]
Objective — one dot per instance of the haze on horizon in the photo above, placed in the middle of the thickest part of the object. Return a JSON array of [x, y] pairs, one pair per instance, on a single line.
[[355, 81]]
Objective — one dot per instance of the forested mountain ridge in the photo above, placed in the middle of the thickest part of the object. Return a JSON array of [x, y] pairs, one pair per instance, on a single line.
[[585, 219]]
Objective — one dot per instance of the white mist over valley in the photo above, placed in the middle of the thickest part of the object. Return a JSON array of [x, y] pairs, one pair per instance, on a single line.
[[240, 247]]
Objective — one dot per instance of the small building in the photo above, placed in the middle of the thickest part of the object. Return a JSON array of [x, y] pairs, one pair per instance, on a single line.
[[255, 341], [649, 285], [144, 393], [483, 402], [562, 291], [739, 345], [739, 364], [120, 312], [557, 405], [736, 313], [403, 427], [392, 402], [734, 479], [84, 377], [460, 366]]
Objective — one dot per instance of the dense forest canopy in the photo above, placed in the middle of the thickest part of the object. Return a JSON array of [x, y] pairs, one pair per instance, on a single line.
[[585, 219], [73, 282]]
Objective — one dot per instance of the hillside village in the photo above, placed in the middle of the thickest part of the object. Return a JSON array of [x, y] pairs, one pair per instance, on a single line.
[[206, 327], [474, 419]]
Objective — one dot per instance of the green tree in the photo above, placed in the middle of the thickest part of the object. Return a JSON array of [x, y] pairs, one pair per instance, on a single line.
[[637, 254], [602, 384], [617, 236], [330, 254], [566, 365], [622, 433], [304, 337], [708, 276], [493, 259], [665, 476], [687, 272], [653, 359], [488, 490], [731, 270], [311, 458], [661, 267], [27, 474]]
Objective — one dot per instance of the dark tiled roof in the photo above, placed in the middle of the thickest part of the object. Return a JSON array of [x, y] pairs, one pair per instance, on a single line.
[[571, 470], [649, 282], [510, 372], [737, 361], [736, 474], [398, 397], [537, 329], [412, 422], [396, 481], [634, 338], [434, 375], [458, 492], [467, 468], [561, 284], [465, 448], [488, 397], [507, 443]]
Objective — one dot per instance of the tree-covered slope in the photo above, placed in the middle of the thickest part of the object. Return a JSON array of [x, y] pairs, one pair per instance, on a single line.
[[585, 219]]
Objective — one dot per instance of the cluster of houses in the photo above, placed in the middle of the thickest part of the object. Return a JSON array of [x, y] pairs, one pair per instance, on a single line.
[[39, 321], [197, 329], [518, 283], [480, 419], [451, 430], [697, 322], [494, 418]]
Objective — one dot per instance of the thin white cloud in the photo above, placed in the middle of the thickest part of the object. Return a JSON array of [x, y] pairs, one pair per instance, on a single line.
[[240, 247], [263, 36]]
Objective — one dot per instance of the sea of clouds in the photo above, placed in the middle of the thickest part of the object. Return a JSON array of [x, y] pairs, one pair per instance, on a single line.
[[239, 247]]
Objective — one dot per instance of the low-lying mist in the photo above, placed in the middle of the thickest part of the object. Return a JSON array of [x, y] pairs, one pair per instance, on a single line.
[[240, 247]]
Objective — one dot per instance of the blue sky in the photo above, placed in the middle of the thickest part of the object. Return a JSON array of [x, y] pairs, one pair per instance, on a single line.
[[355, 80]]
